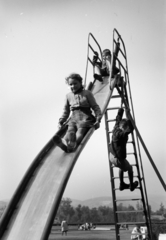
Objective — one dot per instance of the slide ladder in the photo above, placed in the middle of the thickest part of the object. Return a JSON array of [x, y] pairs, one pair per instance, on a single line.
[[122, 98]]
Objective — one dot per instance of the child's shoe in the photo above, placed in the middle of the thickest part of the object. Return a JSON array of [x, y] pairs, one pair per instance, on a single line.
[[70, 139], [71, 146], [134, 186], [124, 186], [58, 141], [98, 77]]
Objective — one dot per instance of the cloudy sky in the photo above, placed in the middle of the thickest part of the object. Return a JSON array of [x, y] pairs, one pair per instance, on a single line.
[[43, 41]]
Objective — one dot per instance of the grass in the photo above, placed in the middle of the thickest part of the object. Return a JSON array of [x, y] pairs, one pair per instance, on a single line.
[[74, 234]]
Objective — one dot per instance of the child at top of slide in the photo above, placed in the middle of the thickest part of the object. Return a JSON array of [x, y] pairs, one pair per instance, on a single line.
[[104, 67]]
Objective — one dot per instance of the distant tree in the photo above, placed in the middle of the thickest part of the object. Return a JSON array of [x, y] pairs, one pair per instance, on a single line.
[[150, 209], [161, 210], [106, 214], [65, 210], [130, 216], [110, 215], [139, 205], [86, 215], [102, 214], [157, 229], [131, 208], [120, 207], [94, 215], [79, 211]]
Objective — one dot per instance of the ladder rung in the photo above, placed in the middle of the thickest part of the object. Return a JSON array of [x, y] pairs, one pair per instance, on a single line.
[[126, 188], [140, 234], [111, 120], [112, 166], [116, 96], [131, 223], [110, 131], [132, 199], [124, 177], [139, 211], [113, 108], [131, 153], [134, 165]]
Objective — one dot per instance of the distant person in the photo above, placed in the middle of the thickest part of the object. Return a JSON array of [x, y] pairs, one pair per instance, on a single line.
[[117, 148], [80, 103], [125, 226], [64, 227], [81, 227], [104, 67], [92, 226], [136, 233], [144, 232], [87, 226]]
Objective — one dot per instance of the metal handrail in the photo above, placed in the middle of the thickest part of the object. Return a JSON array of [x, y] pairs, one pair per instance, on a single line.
[[148, 155], [132, 108], [90, 35]]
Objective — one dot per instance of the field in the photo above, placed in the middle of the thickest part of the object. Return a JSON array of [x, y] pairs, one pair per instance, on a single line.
[[104, 234]]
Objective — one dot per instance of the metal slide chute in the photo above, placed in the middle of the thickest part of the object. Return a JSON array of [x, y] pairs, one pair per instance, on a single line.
[[32, 209]]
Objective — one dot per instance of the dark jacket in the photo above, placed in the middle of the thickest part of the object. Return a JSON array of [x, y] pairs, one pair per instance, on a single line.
[[83, 99], [104, 70], [120, 137]]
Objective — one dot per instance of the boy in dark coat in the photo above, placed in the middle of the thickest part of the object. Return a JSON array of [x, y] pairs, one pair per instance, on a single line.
[[122, 128]]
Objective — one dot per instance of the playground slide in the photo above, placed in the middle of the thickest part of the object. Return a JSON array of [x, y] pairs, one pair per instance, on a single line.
[[31, 211]]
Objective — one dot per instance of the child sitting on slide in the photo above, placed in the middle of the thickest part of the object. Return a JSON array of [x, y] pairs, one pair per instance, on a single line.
[[104, 67], [79, 102]]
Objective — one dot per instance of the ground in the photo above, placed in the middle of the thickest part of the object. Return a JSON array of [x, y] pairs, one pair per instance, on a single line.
[[104, 234]]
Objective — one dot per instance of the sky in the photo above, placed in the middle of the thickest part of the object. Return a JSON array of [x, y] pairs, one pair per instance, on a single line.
[[42, 42]]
